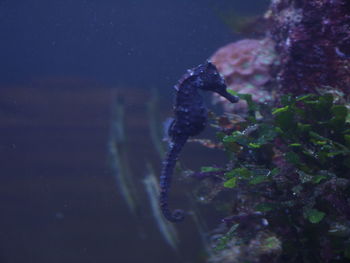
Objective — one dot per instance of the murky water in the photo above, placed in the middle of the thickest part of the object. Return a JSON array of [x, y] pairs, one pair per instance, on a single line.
[[63, 65]]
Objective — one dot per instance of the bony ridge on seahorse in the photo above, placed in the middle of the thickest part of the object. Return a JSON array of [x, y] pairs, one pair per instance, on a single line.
[[190, 119]]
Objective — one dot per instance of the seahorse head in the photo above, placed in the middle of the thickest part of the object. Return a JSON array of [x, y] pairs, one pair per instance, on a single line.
[[207, 77]]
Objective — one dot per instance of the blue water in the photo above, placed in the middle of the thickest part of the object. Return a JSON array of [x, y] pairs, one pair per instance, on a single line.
[[62, 64]]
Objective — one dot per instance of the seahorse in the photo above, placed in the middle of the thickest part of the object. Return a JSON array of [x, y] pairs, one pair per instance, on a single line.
[[190, 119]]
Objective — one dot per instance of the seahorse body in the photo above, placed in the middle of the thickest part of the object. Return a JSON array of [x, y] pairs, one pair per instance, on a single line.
[[190, 120]]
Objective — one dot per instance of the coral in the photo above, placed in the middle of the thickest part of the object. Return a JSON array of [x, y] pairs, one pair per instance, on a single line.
[[264, 246], [287, 181], [312, 39], [246, 66]]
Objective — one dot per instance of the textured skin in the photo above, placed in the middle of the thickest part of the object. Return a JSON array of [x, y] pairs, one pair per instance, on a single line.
[[190, 120], [313, 42]]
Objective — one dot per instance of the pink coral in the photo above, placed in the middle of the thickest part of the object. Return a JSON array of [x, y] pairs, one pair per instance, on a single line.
[[246, 66]]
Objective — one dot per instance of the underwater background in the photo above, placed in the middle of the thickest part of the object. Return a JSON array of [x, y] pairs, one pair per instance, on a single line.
[[62, 65], [86, 92]]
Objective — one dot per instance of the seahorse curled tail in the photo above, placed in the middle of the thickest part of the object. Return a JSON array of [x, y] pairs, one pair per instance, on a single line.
[[165, 180]]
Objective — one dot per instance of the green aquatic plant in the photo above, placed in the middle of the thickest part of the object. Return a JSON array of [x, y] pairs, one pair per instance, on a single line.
[[288, 175], [223, 241]]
